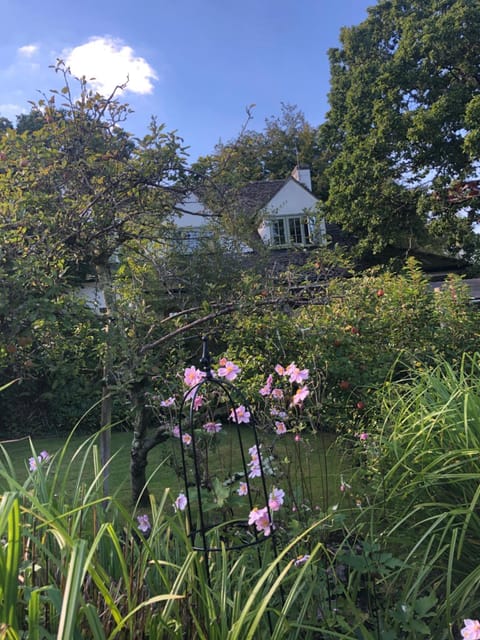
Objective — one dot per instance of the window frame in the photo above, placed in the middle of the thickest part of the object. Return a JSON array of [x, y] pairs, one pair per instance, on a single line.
[[282, 228]]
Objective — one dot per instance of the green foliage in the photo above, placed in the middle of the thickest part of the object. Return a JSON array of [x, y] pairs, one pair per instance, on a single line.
[[402, 127], [352, 337], [286, 140], [52, 348], [74, 189], [419, 476], [391, 558]]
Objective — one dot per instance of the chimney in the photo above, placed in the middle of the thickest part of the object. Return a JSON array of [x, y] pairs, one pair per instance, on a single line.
[[301, 173]]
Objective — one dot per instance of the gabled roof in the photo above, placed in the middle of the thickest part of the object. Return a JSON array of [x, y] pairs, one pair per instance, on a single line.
[[254, 196], [250, 198]]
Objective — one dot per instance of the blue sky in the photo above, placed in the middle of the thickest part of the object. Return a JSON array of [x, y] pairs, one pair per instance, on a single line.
[[195, 65]]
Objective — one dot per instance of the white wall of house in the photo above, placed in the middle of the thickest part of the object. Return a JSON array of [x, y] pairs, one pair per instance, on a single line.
[[191, 212], [93, 296], [292, 201]]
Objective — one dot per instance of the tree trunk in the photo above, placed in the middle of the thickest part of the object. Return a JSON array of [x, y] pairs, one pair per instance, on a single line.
[[141, 445], [138, 455], [105, 284]]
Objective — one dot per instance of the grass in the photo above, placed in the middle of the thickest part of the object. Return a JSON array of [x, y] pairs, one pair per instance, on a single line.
[[313, 462], [86, 566]]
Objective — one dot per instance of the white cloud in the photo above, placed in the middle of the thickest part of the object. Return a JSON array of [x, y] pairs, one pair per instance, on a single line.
[[107, 63], [28, 50], [10, 110]]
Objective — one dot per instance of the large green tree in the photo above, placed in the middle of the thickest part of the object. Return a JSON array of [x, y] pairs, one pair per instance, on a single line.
[[403, 125]]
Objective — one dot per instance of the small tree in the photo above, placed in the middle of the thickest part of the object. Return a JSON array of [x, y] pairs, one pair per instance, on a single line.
[[74, 189]]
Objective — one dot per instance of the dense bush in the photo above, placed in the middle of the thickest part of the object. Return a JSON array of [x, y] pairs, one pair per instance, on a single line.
[[52, 350], [351, 338]]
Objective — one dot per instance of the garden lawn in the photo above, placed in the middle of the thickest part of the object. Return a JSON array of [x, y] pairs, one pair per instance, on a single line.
[[309, 467]]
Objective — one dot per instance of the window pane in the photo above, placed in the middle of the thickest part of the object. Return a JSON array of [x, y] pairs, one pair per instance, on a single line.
[[295, 230], [278, 232]]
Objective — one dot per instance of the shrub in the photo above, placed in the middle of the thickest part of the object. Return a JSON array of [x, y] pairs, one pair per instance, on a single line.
[[353, 337], [420, 479]]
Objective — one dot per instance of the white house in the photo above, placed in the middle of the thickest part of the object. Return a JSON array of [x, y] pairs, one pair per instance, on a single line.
[[286, 210]]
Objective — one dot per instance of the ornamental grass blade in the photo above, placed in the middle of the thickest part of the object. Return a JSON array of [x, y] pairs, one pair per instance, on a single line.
[[91, 614], [9, 559], [71, 597]]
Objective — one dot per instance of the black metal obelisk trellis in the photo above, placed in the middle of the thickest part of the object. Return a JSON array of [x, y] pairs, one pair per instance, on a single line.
[[215, 480]]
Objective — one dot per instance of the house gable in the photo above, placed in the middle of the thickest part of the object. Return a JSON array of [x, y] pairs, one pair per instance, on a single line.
[[290, 217], [286, 212]]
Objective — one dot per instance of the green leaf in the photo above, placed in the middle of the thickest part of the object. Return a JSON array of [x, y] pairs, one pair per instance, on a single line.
[[221, 492]]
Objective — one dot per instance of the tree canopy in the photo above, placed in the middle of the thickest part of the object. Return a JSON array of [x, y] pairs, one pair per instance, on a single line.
[[75, 189], [285, 141], [403, 124]]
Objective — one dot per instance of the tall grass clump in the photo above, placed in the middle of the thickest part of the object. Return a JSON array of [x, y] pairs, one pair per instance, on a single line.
[[421, 482], [75, 563]]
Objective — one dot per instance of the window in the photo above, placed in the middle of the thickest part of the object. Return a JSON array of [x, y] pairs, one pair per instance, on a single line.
[[278, 232], [292, 230]]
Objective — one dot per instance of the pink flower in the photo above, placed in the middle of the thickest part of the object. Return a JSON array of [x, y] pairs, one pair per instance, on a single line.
[[280, 428], [363, 436], [144, 523], [180, 502], [255, 471], [240, 414], [229, 370], [187, 439], [168, 402], [242, 489], [265, 391], [34, 462], [300, 395], [253, 451], [193, 376], [212, 427], [298, 437], [254, 464], [176, 431], [275, 499], [197, 403], [301, 560], [277, 394], [280, 370], [295, 374], [471, 630], [259, 517], [197, 399]]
